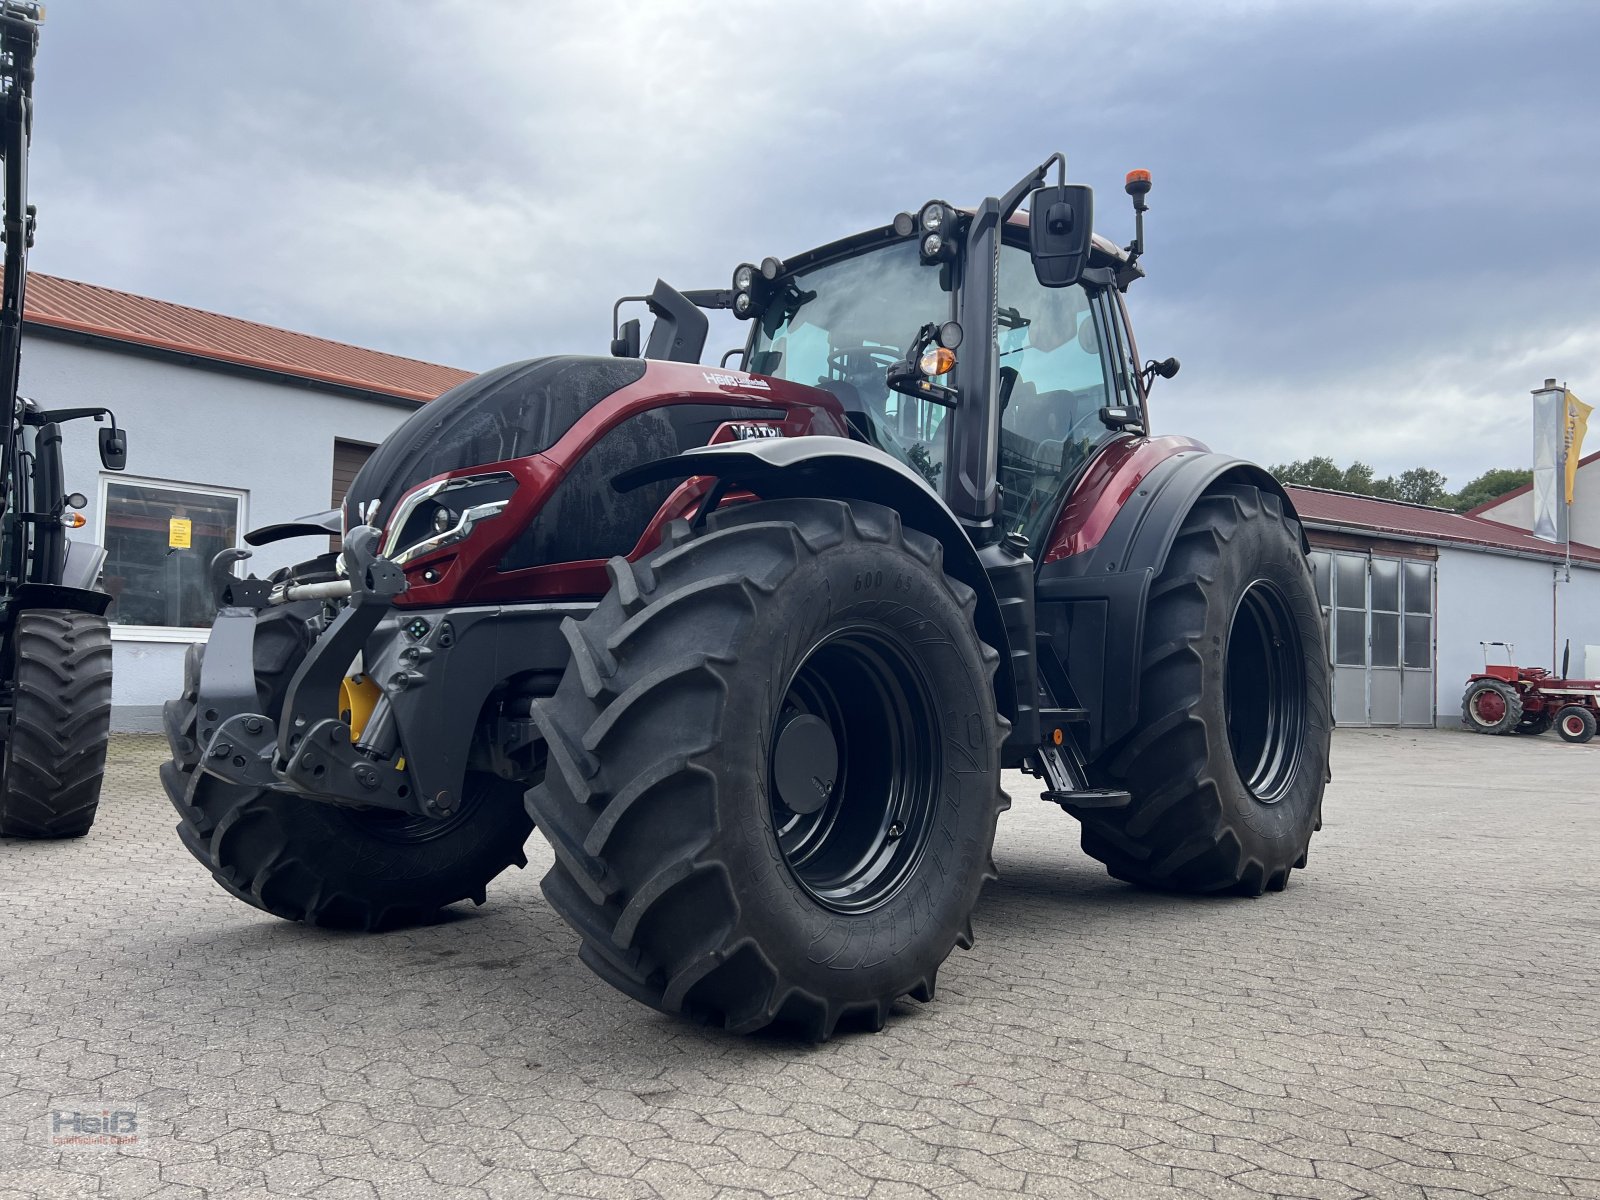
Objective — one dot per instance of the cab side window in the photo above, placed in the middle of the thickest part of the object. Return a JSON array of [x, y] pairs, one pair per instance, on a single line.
[[1054, 381]]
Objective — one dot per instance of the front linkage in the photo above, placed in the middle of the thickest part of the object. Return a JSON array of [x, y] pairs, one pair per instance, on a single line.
[[411, 752]]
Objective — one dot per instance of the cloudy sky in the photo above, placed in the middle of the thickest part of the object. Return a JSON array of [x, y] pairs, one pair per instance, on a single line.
[[1373, 227]]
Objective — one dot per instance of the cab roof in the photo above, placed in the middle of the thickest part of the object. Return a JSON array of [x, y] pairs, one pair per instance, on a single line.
[[1105, 253]]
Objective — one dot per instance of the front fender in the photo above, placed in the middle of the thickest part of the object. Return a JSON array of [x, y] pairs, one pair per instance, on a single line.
[[839, 469]]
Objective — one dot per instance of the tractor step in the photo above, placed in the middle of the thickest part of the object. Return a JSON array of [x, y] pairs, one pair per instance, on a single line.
[[1089, 800]]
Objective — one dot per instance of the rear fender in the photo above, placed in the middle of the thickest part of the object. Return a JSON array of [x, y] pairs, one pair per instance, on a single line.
[[839, 469], [1092, 602]]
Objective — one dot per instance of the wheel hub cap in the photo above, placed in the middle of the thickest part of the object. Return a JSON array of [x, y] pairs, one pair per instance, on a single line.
[[805, 763]]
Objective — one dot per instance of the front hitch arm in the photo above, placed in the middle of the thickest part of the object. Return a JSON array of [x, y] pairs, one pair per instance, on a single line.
[[308, 749], [313, 694]]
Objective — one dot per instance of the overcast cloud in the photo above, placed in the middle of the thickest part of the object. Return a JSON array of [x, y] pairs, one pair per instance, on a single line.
[[1373, 226]]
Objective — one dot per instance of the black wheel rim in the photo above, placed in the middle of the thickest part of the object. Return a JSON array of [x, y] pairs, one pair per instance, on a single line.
[[1265, 692], [859, 847]]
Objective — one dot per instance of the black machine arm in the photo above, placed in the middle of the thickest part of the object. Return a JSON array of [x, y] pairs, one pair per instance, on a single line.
[[680, 331], [19, 43], [44, 416]]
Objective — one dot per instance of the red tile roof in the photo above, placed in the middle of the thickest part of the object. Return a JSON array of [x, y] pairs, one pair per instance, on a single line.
[[1367, 513], [121, 316]]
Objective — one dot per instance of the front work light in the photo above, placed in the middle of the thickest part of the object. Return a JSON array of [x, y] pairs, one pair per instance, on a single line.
[[937, 222], [935, 215], [753, 286]]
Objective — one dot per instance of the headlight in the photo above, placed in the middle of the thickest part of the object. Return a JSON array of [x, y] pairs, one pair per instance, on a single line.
[[445, 512]]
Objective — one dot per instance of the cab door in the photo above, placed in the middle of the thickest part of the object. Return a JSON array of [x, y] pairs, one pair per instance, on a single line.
[[1057, 356]]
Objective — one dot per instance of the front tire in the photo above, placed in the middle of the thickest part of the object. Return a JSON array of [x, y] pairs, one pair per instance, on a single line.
[[1227, 763], [1575, 724], [305, 860], [774, 770], [55, 748]]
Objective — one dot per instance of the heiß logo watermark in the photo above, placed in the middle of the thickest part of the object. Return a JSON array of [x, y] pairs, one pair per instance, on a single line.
[[108, 1125]]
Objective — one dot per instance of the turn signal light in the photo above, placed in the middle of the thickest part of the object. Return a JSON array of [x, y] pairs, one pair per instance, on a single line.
[[74, 520], [936, 362]]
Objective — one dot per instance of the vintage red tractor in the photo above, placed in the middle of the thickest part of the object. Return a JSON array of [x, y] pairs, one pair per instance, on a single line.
[[1512, 699], [750, 647]]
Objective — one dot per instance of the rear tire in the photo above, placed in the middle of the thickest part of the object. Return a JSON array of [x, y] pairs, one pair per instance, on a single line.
[[55, 748], [304, 860], [1575, 724], [1490, 706], [1229, 758], [804, 652]]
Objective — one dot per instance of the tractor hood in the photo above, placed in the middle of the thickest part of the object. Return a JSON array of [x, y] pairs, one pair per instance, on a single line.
[[509, 412]]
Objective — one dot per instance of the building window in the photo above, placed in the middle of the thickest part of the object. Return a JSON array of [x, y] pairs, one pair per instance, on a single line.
[[160, 539]]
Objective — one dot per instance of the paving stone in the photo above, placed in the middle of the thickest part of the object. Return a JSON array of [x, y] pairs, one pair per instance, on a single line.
[[1418, 1016]]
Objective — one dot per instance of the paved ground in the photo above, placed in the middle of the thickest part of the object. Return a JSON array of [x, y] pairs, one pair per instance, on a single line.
[[1416, 1016]]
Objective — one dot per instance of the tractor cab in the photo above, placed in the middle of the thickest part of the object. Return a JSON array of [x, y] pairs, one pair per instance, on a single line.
[[902, 326], [846, 318]]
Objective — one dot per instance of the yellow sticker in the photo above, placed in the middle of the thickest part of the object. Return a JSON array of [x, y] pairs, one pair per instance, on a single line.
[[178, 533]]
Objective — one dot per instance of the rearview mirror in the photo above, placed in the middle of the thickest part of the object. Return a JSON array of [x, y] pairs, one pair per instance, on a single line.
[[626, 344], [1060, 228], [113, 449]]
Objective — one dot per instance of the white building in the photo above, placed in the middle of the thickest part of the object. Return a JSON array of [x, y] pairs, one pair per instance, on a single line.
[[230, 425], [1413, 592]]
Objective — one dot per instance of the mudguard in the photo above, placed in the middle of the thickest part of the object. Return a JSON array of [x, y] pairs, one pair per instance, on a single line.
[[321, 524], [60, 595], [839, 469], [1092, 604]]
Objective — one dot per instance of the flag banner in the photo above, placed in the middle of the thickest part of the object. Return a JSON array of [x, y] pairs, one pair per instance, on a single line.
[[1548, 420], [1576, 425]]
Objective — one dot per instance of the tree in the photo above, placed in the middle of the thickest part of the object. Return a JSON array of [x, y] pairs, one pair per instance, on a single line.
[[1319, 472], [1357, 479], [1419, 485], [1422, 485], [1490, 486]]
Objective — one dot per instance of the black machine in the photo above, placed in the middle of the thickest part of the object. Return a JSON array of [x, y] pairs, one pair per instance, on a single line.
[[55, 643]]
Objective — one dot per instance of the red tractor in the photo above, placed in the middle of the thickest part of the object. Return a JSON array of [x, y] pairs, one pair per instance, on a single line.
[[1510, 699], [751, 647]]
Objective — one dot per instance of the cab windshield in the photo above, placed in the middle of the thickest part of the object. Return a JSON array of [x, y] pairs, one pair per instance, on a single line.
[[841, 325]]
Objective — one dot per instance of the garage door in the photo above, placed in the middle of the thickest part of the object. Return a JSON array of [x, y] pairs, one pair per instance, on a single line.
[[1380, 636], [348, 458]]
